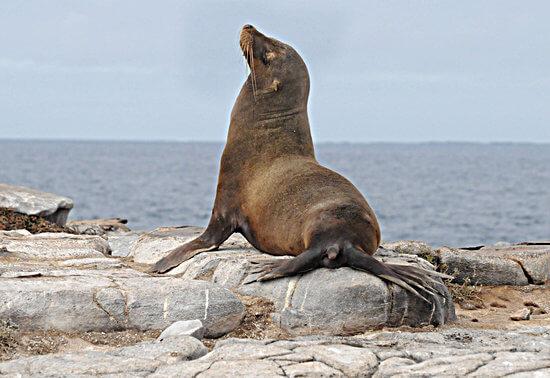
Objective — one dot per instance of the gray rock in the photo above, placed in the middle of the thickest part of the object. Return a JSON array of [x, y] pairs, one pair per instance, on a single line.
[[235, 349], [53, 246], [523, 314], [534, 260], [498, 265], [350, 360], [138, 360], [98, 226], [29, 201], [154, 245], [410, 247], [122, 243], [506, 363], [105, 302], [455, 366], [443, 352], [15, 233], [478, 269], [184, 327], [311, 369], [93, 263], [451, 352], [338, 301]]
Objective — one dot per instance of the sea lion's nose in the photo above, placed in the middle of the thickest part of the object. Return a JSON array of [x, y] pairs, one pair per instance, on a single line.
[[248, 26]]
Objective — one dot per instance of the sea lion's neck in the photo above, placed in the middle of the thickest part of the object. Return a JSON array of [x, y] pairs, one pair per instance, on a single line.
[[263, 129]]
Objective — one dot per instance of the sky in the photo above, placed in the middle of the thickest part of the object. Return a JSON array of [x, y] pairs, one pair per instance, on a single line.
[[394, 71]]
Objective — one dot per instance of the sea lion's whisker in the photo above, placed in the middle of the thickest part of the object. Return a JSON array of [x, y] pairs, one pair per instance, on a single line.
[[254, 87]]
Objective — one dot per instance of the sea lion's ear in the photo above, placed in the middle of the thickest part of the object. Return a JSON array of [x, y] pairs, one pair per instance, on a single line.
[[274, 87]]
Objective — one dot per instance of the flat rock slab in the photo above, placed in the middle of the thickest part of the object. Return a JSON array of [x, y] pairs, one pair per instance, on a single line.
[[138, 360], [99, 226], [122, 243], [152, 246], [29, 201], [52, 246], [498, 265], [109, 300], [451, 352], [328, 301], [501, 264]]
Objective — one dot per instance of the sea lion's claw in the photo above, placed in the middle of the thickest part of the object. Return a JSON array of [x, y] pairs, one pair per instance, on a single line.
[[265, 269], [250, 279], [269, 276]]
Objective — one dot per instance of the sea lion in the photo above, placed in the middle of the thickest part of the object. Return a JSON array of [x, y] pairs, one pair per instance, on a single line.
[[272, 190]]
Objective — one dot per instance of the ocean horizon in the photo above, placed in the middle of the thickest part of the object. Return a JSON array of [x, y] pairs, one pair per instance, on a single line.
[[443, 193]]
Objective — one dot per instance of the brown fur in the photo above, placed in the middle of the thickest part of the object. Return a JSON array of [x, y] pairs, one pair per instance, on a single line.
[[270, 186]]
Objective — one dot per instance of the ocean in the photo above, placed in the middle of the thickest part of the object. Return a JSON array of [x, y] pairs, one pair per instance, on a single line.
[[455, 194]]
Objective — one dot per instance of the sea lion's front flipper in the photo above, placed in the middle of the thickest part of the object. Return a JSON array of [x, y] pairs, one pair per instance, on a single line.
[[215, 234], [277, 268]]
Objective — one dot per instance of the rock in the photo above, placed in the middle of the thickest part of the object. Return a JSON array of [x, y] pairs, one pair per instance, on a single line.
[[443, 352], [339, 301], [93, 263], [506, 363], [523, 314], [122, 243], [33, 202], [99, 226], [53, 246], [456, 366], [410, 247], [352, 361], [451, 352], [184, 327], [154, 245], [478, 269], [498, 265], [311, 369], [80, 301], [137, 360], [15, 233]]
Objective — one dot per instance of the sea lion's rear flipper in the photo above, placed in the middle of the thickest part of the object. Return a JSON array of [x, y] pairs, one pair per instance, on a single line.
[[277, 268], [214, 235], [409, 277]]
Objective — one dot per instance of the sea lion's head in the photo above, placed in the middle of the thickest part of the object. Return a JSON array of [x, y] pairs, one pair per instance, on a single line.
[[278, 73]]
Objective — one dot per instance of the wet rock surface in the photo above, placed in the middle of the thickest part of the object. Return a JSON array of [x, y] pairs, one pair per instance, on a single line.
[[53, 207], [451, 352]]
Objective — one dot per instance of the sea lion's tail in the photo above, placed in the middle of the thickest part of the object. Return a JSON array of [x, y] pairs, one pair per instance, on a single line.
[[409, 277]]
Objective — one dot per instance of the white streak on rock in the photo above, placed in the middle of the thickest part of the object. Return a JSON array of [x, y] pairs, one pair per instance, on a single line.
[[207, 302], [165, 308], [289, 292]]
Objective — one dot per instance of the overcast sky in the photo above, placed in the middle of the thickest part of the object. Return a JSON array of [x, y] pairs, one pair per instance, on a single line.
[[381, 70]]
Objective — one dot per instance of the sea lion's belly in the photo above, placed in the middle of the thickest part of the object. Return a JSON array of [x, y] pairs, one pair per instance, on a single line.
[[287, 201]]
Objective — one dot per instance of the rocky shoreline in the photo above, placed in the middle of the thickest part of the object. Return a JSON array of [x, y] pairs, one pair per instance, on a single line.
[[76, 300]]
